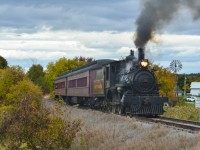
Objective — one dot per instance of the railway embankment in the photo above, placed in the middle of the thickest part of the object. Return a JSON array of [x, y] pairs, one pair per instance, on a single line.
[[109, 131]]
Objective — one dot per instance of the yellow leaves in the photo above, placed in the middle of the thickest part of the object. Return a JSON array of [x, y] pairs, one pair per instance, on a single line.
[[9, 77], [21, 90], [5, 112], [37, 128], [167, 81], [61, 66]]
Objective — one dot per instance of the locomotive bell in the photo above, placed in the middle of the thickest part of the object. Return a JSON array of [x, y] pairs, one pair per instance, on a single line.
[[140, 54]]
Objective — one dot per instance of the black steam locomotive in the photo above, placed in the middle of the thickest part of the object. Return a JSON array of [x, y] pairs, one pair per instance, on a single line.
[[125, 86]]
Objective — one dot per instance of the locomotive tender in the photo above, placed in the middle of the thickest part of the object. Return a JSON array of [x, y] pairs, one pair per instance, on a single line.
[[124, 86]]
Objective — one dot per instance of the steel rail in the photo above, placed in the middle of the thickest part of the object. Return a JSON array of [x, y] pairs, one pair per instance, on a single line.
[[191, 126]]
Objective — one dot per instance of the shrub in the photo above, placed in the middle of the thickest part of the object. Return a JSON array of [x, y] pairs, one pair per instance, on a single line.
[[31, 126], [23, 90], [188, 112], [5, 112], [9, 77]]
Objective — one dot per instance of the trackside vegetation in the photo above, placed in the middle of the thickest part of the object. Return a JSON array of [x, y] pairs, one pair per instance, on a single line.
[[183, 110], [24, 122]]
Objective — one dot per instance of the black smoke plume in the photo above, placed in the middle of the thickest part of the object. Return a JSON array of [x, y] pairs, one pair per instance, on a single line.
[[157, 13]]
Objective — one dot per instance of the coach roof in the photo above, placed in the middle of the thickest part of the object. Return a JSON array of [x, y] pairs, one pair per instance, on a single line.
[[93, 65]]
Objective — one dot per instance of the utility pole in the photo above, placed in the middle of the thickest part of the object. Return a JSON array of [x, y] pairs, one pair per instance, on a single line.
[[185, 85]]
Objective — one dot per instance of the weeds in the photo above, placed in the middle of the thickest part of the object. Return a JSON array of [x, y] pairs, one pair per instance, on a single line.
[[108, 131]]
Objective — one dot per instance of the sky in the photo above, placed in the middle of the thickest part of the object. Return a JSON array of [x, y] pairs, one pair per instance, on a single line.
[[42, 31]]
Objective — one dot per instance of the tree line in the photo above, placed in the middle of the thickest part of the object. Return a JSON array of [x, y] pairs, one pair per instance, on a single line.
[[44, 78]]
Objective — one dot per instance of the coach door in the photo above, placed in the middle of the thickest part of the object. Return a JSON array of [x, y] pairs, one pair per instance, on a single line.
[[98, 83], [107, 76]]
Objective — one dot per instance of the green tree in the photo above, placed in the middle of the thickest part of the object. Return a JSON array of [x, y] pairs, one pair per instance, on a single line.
[[3, 63], [9, 77], [193, 78], [36, 74], [184, 82]]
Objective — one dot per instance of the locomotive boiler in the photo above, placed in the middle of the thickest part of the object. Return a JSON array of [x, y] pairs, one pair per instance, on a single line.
[[124, 86]]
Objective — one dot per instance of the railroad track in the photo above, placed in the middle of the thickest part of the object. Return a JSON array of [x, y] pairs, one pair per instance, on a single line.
[[187, 125], [190, 126]]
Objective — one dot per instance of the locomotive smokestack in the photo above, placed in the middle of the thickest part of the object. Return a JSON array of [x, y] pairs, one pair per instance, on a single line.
[[140, 54]]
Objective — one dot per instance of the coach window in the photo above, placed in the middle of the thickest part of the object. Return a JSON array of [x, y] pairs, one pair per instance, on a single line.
[[72, 84], [82, 82], [107, 73]]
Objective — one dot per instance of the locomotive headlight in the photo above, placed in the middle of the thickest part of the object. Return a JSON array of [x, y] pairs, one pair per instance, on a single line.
[[144, 63]]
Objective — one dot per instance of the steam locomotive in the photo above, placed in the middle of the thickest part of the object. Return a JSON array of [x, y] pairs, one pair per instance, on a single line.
[[125, 87]]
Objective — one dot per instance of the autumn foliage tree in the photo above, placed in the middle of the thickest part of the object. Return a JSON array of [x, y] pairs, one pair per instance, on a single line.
[[167, 80], [31, 126], [61, 66], [9, 77]]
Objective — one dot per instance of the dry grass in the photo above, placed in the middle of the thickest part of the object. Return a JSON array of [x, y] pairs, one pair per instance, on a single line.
[[102, 131]]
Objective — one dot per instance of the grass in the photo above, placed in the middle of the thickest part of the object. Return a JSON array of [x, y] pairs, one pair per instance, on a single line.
[[183, 110]]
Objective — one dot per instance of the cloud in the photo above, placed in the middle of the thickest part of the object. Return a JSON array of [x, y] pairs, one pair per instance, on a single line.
[[29, 16], [182, 47], [78, 43], [50, 45], [21, 54], [46, 30], [187, 67]]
